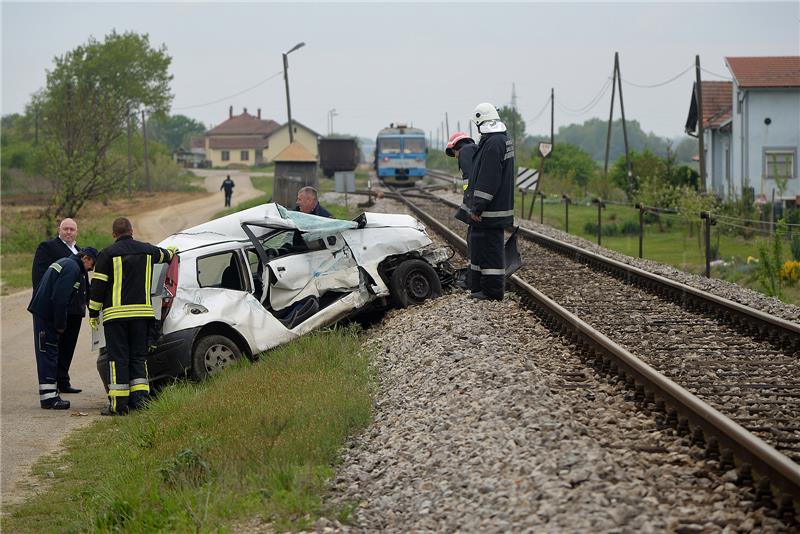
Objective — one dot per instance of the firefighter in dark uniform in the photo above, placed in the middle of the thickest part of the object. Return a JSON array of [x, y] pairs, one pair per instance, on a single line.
[[492, 207], [462, 147], [121, 289], [62, 283]]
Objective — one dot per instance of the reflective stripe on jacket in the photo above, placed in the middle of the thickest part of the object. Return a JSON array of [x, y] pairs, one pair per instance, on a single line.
[[60, 284], [122, 279], [493, 169]]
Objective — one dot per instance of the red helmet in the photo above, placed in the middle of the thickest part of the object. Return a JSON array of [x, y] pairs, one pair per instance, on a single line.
[[453, 141]]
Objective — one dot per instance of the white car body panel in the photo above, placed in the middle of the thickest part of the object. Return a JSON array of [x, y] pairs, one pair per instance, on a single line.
[[297, 275]]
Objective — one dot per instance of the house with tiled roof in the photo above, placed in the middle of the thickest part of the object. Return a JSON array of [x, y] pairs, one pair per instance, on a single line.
[[240, 140], [247, 140], [752, 142], [304, 135]]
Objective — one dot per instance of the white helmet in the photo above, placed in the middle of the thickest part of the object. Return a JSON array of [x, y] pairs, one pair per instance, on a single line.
[[485, 112]]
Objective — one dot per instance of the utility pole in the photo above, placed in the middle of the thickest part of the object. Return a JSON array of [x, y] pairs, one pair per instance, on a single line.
[[443, 138], [610, 116], [447, 123], [436, 146], [146, 158], [130, 163], [552, 114], [700, 141], [514, 113], [624, 128], [458, 126], [470, 129]]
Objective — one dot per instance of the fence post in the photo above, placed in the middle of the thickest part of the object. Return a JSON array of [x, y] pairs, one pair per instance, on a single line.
[[522, 213], [600, 206], [707, 222], [541, 209], [641, 229], [565, 198]]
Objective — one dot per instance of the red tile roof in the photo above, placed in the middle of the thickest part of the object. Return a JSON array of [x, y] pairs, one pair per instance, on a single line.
[[245, 124], [198, 142], [225, 143], [717, 103], [767, 71]]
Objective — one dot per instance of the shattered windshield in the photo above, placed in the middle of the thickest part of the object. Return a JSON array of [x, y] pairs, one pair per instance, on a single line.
[[314, 227]]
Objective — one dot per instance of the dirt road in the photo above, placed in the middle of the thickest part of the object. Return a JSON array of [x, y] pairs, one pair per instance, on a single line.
[[26, 431]]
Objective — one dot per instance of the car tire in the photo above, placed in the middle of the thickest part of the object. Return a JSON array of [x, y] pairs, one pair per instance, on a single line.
[[211, 354], [414, 282]]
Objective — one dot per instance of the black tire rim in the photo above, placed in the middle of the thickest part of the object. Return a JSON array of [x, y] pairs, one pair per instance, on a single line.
[[217, 357], [418, 287]]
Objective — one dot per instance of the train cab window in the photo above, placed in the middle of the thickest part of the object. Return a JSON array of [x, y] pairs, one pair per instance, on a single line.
[[390, 146], [413, 146]]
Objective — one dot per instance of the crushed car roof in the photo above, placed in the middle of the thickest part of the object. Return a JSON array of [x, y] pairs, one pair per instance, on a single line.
[[266, 217]]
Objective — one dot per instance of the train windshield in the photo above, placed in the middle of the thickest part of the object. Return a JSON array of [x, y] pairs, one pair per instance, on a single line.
[[389, 145], [414, 145]]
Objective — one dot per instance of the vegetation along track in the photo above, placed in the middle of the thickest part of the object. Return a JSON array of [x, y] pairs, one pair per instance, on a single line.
[[739, 365]]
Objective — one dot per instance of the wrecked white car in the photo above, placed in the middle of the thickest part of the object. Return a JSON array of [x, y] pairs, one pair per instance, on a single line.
[[258, 278]]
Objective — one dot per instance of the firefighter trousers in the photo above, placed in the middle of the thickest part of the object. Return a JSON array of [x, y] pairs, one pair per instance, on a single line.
[[46, 343], [66, 348], [128, 384], [486, 261]]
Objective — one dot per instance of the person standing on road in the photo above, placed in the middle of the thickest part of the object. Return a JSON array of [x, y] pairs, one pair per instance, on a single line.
[[62, 282], [463, 147], [492, 207], [308, 202], [48, 252], [121, 289], [227, 185]]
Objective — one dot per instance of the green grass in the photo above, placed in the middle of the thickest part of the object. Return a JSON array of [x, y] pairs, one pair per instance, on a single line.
[[676, 245], [260, 438]]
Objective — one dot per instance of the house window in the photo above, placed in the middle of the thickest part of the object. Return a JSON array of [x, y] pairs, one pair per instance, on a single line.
[[245, 155], [226, 156], [779, 164]]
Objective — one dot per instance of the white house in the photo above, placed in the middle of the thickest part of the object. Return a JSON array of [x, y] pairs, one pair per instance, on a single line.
[[751, 144]]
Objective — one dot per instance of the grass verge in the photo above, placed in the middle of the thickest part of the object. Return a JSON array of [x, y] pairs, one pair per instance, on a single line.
[[259, 439]]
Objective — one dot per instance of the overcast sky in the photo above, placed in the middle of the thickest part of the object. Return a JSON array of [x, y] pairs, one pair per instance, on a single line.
[[390, 62]]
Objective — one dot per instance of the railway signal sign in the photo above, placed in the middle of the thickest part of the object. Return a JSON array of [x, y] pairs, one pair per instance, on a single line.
[[527, 179], [545, 149]]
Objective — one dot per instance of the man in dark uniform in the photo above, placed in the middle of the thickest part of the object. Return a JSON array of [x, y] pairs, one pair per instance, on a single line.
[[62, 246], [62, 282], [308, 202], [227, 185], [492, 207], [121, 289], [462, 147]]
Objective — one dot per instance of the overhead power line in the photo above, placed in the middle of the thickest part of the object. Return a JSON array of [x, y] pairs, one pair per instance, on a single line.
[[592, 103], [715, 74], [544, 107], [660, 84], [262, 82]]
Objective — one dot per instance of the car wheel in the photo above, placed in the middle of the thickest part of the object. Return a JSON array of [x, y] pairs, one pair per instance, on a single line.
[[413, 282], [212, 354]]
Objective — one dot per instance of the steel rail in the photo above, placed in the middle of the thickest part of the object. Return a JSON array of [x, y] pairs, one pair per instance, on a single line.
[[718, 430], [681, 292]]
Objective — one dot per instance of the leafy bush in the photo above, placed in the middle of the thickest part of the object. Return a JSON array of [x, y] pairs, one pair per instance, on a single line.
[[790, 272], [795, 246]]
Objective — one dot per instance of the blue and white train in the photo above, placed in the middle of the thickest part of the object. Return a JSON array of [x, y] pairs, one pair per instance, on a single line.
[[400, 155]]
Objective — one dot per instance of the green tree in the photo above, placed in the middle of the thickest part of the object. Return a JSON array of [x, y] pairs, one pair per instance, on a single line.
[[515, 124], [569, 161], [174, 131], [90, 94], [644, 164]]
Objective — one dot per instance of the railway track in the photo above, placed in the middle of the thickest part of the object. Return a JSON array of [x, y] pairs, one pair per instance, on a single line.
[[726, 375]]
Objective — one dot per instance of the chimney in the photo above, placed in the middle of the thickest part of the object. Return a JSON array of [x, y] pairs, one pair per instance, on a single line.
[[245, 111], [230, 112], [259, 113]]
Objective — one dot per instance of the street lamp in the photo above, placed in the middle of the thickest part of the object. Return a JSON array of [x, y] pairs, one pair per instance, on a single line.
[[331, 114], [286, 79]]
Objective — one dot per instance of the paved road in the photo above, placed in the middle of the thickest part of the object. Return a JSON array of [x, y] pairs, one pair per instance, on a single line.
[[26, 431]]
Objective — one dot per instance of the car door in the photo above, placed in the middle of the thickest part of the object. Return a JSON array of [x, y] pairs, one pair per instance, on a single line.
[[297, 269]]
